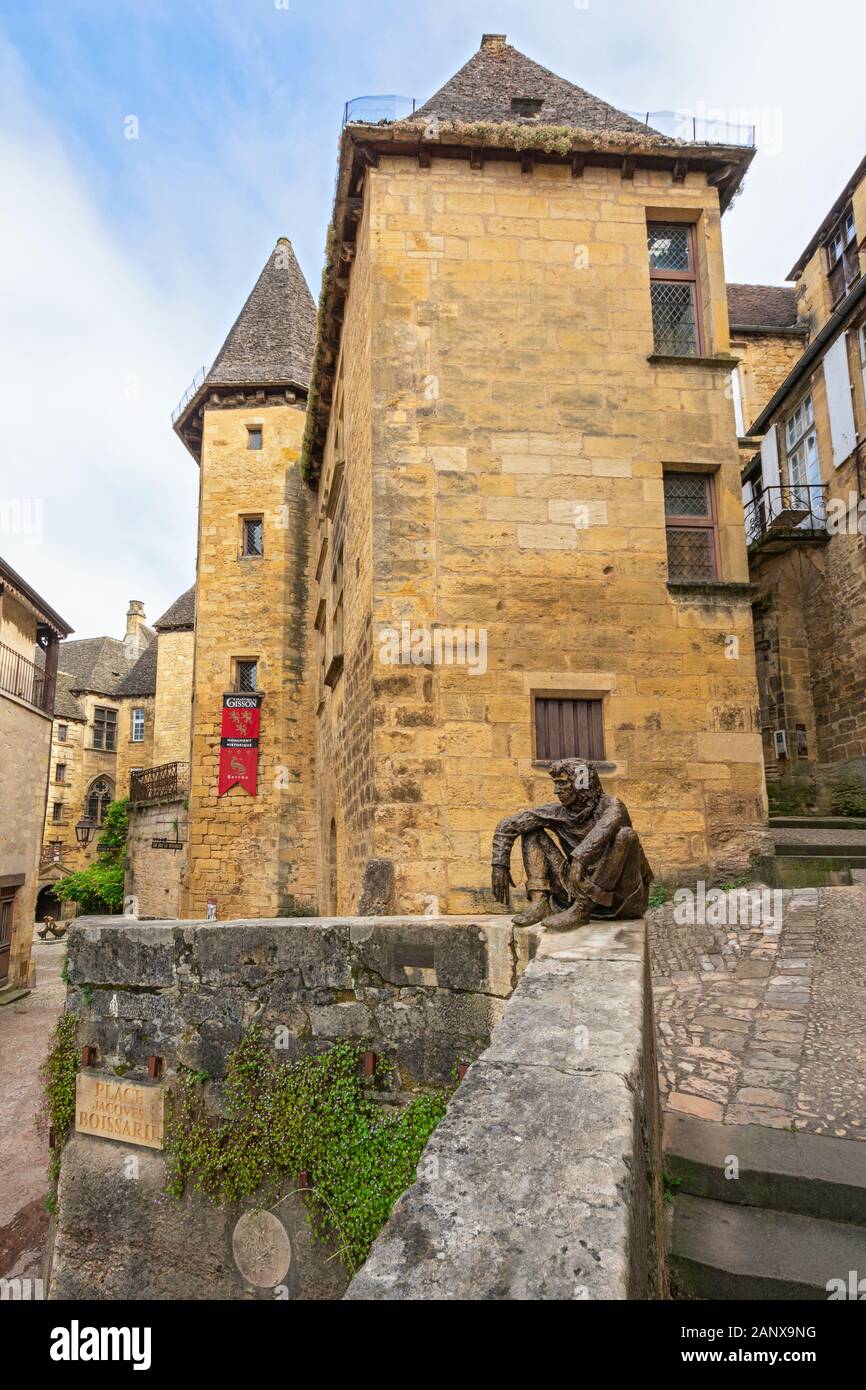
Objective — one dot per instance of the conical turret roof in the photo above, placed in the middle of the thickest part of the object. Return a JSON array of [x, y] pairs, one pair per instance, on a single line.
[[499, 83], [272, 338]]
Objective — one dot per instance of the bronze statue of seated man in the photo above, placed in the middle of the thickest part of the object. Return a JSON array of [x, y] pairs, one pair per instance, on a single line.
[[581, 855]]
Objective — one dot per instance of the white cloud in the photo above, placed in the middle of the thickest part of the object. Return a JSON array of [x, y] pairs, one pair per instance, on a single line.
[[91, 358]]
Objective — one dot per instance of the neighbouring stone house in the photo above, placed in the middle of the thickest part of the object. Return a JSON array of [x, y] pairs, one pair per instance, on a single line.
[[158, 838], [512, 426], [30, 636], [805, 511], [87, 732], [121, 707]]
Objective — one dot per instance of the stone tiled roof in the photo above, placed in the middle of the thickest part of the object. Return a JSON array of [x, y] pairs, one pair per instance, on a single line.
[[484, 88], [762, 306], [94, 663], [181, 614], [272, 338], [65, 704], [141, 680]]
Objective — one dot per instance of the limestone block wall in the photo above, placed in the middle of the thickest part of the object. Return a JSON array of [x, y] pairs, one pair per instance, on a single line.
[[155, 876], [70, 792], [512, 390], [25, 739], [173, 701], [129, 754], [765, 361], [543, 1179], [345, 712], [253, 854]]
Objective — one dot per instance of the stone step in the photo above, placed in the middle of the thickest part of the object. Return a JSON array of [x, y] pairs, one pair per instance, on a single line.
[[722, 1251], [817, 822], [848, 856], [809, 1174]]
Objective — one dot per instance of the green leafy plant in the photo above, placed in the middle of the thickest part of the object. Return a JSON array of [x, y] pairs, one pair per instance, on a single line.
[[57, 1111], [660, 893], [669, 1186], [99, 887], [313, 1117]]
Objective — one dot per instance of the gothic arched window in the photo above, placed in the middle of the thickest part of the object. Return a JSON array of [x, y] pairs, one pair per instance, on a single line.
[[99, 799]]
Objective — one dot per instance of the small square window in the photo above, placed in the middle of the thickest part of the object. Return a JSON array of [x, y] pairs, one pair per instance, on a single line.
[[246, 675], [568, 728], [254, 436], [57, 812], [253, 538], [62, 730]]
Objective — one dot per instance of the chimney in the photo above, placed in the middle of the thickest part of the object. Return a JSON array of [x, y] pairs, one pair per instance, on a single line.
[[135, 620], [493, 40]]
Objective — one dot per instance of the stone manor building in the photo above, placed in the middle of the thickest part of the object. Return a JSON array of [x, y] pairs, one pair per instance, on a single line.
[[484, 511]]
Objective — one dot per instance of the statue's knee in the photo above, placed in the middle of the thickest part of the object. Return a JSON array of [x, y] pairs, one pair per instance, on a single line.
[[626, 837]]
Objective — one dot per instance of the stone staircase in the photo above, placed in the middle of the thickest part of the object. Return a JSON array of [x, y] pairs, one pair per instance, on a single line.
[[815, 850], [762, 1213]]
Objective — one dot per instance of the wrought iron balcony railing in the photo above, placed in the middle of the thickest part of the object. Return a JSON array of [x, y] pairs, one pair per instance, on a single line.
[[21, 677], [163, 783], [787, 512]]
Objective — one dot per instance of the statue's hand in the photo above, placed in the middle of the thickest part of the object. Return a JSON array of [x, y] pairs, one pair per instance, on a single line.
[[502, 884]]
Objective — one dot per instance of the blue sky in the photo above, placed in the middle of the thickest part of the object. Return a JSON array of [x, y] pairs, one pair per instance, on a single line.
[[124, 262]]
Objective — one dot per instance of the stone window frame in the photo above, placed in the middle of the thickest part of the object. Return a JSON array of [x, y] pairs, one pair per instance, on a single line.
[[60, 773], [255, 436], [57, 809], [245, 521], [689, 277], [584, 685], [101, 791], [105, 726], [237, 676], [686, 522], [62, 732]]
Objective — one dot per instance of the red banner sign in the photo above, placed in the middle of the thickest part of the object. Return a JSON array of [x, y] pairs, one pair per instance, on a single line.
[[239, 742]]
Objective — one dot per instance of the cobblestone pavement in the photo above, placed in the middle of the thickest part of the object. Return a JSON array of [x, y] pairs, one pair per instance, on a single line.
[[25, 1028], [763, 1021]]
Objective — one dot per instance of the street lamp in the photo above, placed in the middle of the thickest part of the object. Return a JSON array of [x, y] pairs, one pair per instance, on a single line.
[[84, 831]]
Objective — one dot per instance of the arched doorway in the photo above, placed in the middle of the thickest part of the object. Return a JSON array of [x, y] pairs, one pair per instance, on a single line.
[[48, 904], [332, 870]]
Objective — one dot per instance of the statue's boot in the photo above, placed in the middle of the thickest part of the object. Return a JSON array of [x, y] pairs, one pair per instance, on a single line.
[[538, 911], [577, 915]]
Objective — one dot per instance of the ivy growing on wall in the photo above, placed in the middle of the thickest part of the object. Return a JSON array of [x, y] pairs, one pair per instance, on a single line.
[[57, 1112], [99, 887], [308, 1123]]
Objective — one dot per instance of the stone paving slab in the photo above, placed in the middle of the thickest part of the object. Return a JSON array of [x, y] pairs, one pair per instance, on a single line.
[[763, 1020]]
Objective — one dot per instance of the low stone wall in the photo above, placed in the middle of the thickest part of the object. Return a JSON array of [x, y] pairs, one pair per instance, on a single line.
[[154, 874], [424, 992], [543, 1179]]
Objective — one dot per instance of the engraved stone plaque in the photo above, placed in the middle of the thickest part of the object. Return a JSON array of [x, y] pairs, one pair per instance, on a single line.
[[132, 1112]]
